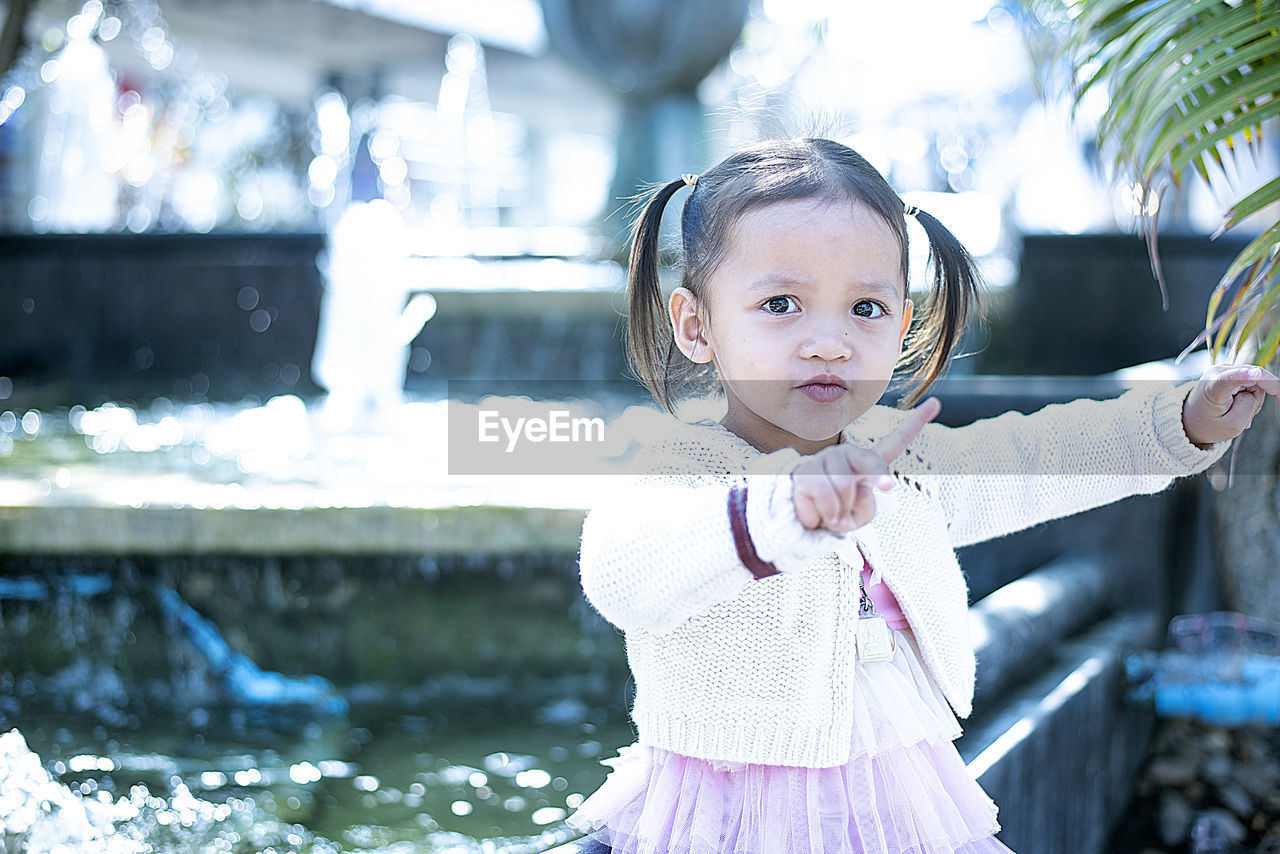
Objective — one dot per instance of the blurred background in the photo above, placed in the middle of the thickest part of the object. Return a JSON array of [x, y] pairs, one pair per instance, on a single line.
[[251, 253], [494, 150]]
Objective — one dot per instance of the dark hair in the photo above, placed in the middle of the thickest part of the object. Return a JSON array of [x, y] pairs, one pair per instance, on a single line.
[[764, 174]]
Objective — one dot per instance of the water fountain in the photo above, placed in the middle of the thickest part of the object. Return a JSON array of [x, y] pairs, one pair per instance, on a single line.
[[368, 318], [418, 639]]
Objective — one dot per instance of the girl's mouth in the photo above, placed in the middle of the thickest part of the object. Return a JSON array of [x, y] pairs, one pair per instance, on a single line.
[[824, 389]]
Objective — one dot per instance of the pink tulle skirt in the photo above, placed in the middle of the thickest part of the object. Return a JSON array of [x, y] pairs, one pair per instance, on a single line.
[[904, 789]]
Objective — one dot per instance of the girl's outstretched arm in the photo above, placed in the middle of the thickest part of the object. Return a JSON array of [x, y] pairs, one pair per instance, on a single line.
[[1003, 474]]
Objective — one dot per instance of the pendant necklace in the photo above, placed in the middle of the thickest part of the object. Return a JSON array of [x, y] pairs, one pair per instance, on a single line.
[[874, 641]]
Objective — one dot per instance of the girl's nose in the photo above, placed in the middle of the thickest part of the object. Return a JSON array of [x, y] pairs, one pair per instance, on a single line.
[[827, 342]]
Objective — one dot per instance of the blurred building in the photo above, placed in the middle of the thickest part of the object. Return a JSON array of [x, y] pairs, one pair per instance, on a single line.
[[193, 115], [197, 115]]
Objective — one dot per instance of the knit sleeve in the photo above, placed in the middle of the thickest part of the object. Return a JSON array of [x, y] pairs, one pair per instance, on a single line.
[[660, 550], [1003, 474]]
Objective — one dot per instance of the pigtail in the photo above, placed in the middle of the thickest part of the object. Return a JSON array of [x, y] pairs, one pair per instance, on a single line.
[[650, 343], [952, 299]]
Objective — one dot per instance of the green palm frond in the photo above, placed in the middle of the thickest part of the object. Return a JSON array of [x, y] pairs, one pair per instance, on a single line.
[[1193, 84]]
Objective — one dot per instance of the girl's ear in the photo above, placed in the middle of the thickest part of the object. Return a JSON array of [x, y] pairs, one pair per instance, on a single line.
[[908, 309], [689, 326]]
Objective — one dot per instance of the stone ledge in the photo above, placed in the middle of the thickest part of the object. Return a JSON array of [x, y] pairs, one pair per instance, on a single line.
[[488, 529], [1060, 754]]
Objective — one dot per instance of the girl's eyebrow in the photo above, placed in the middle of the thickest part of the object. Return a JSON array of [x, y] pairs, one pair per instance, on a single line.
[[770, 281]]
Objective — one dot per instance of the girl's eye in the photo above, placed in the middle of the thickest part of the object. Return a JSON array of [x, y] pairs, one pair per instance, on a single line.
[[778, 305], [867, 308]]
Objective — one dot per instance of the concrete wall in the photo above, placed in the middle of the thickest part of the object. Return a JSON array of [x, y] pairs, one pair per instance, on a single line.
[[89, 318]]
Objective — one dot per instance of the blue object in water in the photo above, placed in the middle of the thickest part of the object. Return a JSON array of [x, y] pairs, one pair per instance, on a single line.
[[243, 680], [38, 589], [1223, 668], [1225, 689]]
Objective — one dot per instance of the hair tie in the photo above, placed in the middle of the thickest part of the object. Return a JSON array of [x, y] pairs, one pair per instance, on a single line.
[[690, 179], [910, 210]]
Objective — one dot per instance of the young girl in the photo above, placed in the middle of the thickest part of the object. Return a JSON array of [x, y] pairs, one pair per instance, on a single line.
[[799, 640]]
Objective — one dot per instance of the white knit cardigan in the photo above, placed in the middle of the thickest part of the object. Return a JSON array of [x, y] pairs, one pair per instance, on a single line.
[[740, 669]]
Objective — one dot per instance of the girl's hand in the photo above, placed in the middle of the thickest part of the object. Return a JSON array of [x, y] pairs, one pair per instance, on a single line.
[[1222, 404], [832, 489]]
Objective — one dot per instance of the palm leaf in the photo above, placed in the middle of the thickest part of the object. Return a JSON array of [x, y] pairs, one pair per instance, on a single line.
[[1262, 246], [1148, 75], [1259, 312], [1228, 106], [1192, 83], [1147, 46], [1231, 314], [1180, 156], [1128, 57], [1251, 204], [1129, 71], [1267, 350], [1214, 324]]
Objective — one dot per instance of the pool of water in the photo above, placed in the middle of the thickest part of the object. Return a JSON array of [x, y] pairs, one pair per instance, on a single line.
[[478, 700], [469, 779]]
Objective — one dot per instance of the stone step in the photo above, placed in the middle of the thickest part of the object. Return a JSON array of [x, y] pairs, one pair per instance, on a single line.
[[107, 530]]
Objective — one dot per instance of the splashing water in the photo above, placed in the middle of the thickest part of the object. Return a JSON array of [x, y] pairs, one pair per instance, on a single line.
[[38, 814], [97, 804]]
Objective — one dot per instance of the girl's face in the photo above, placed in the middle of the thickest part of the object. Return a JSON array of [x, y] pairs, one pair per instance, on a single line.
[[804, 319]]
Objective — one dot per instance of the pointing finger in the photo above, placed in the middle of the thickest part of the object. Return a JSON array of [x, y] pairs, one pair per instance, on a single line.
[[896, 442], [844, 483]]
